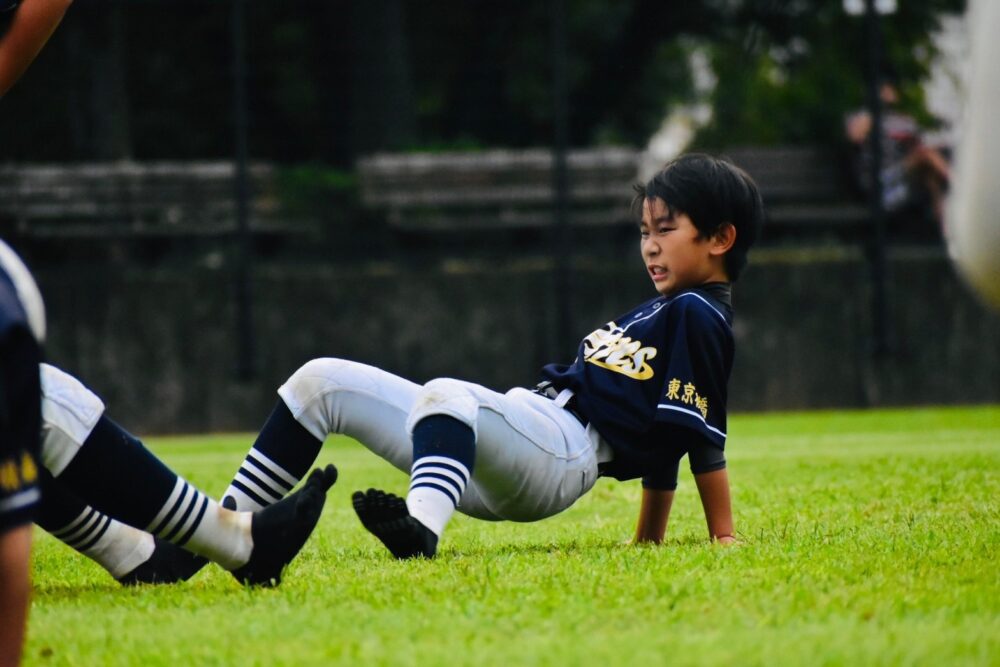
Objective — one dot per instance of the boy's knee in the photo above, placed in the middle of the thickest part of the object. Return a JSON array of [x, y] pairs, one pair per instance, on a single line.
[[69, 413], [317, 377], [444, 396], [311, 393]]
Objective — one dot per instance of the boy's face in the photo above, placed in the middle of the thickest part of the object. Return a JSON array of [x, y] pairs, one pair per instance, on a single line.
[[888, 94], [675, 257]]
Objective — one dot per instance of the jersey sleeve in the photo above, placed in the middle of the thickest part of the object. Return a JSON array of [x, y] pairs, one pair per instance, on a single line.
[[19, 491], [20, 398], [693, 393]]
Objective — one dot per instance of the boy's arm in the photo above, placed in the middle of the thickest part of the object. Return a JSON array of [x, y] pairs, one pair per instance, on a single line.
[[32, 25], [653, 514], [15, 548], [713, 487]]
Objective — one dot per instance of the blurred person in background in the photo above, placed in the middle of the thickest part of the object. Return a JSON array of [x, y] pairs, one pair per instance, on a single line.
[[915, 176]]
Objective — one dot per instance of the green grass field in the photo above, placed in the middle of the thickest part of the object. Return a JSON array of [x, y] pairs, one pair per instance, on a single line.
[[869, 538]]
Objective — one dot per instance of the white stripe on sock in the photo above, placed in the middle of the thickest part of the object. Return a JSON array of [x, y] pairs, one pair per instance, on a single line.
[[74, 537], [424, 460], [459, 481], [196, 504], [433, 506], [438, 485], [179, 488], [72, 525], [258, 457], [265, 494], [276, 488], [187, 499]]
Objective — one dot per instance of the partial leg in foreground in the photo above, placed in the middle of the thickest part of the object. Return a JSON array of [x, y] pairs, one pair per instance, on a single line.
[[130, 555], [114, 473]]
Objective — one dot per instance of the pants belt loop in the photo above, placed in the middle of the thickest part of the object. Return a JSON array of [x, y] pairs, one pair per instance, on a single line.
[[564, 399]]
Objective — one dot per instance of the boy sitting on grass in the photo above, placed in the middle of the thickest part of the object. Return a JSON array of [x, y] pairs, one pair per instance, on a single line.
[[644, 390]]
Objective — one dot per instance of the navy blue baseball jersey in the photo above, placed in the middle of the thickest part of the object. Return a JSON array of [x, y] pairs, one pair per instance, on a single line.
[[665, 363], [20, 408], [12, 311]]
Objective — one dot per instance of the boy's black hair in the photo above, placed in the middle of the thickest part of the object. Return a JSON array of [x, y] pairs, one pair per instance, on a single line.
[[712, 192]]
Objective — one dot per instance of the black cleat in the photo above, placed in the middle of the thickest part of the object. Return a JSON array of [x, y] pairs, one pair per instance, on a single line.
[[168, 564], [280, 530], [387, 518]]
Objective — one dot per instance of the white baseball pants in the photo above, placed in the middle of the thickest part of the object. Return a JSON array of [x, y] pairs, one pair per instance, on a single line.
[[69, 413], [533, 458]]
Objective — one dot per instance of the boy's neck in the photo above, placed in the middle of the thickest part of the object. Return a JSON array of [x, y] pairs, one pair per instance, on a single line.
[[720, 290], [704, 285]]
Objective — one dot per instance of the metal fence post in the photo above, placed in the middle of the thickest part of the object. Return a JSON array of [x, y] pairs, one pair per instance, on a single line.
[[561, 243], [244, 250]]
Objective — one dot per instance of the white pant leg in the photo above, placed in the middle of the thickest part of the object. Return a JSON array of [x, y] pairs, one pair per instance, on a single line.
[[69, 413], [365, 403], [533, 458]]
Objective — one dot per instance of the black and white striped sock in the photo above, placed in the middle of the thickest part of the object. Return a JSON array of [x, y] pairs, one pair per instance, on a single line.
[[443, 454], [192, 520], [113, 545], [282, 454], [118, 476], [436, 486], [259, 482]]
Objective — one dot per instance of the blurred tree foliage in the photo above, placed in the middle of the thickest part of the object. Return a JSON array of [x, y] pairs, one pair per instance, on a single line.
[[788, 71], [332, 79]]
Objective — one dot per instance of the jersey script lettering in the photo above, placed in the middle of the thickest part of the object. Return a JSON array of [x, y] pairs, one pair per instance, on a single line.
[[609, 348]]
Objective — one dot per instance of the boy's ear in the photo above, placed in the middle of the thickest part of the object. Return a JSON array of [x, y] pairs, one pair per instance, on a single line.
[[723, 239]]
